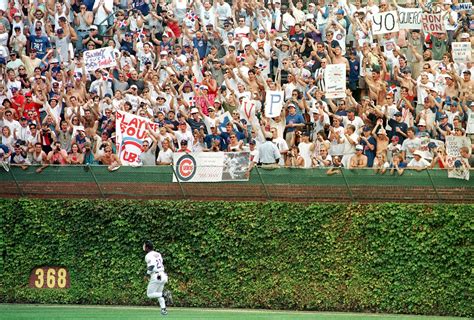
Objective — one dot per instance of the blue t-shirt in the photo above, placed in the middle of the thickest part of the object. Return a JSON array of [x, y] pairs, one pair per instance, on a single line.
[[369, 153], [354, 70], [295, 119], [40, 44], [298, 37], [142, 6], [201, 46], [212, 137]]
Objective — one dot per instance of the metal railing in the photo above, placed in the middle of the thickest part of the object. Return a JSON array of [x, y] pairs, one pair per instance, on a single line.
[[289, 184]]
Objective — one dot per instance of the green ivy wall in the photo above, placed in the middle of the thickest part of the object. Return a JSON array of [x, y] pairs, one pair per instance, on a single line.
[[379, 258]]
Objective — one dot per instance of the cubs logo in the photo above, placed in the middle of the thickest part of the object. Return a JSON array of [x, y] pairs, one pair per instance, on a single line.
[[186, 167]]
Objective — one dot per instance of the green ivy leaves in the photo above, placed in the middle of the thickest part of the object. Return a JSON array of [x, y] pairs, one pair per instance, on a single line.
[[382, 258]]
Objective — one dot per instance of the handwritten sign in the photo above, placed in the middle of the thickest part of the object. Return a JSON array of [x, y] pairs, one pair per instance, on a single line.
[[432, 22], [131, 131], [99, 58], [467, 6], [273, 103], [335, 78], [385, 22], [248, 109], [461, 52], [409, 18]]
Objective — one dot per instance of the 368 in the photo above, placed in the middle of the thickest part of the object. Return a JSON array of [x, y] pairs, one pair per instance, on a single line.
[[49, 277]]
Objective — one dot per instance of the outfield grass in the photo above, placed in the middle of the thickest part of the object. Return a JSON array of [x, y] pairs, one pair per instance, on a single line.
[[67, 312]]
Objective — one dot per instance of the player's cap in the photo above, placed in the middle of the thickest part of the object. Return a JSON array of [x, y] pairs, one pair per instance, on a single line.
[[465, 35], [443, 116], [398, 114], [163, 53], [418, 153], [291, 105], [93, 27], [359, 147], [28, 94], [466, 71], [184, 142], [253, 142], [133, 86], [422, 122], [194, 110], [211, 108], [395, 138]]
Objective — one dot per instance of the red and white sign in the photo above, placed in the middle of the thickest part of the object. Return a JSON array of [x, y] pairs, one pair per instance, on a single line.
[[131, 130], [432, 23], [248, 109]]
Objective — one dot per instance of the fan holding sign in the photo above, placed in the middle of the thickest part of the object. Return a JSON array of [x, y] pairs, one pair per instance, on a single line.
[[385, 22]]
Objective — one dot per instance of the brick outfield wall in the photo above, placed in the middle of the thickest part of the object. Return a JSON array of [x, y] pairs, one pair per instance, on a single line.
[[238, 192]]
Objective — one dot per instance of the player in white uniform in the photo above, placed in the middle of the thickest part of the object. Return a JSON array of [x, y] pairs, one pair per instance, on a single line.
[[158, 277]]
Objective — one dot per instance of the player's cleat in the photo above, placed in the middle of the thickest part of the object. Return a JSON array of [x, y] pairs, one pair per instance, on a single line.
[[164, 311], [168, 297]]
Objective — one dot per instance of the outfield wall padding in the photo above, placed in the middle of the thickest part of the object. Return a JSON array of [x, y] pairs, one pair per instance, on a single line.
[[389, 258]]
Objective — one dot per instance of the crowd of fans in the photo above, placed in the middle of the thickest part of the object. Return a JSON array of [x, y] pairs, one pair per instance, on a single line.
[[185, 64]]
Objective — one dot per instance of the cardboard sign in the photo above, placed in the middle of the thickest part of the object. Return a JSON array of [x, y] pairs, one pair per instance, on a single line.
[[432, 22], [274, 103], [385, 22], [99, 58], [131, 131], [409, 18], [335, 78], [248, 109], [461, 52]]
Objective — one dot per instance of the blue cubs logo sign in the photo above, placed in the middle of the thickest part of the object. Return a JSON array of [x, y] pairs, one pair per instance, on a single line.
[[186, 167]]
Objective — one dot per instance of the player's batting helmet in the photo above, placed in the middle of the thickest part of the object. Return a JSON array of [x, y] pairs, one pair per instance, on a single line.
[[148, 245]]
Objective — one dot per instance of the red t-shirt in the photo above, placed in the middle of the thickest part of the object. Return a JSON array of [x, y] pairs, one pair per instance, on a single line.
[[31, 106]]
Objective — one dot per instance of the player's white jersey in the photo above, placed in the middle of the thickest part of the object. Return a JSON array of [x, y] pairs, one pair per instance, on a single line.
[[154, 262]]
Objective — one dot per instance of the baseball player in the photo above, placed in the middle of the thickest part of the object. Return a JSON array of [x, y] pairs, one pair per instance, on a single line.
[[158, 277]]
